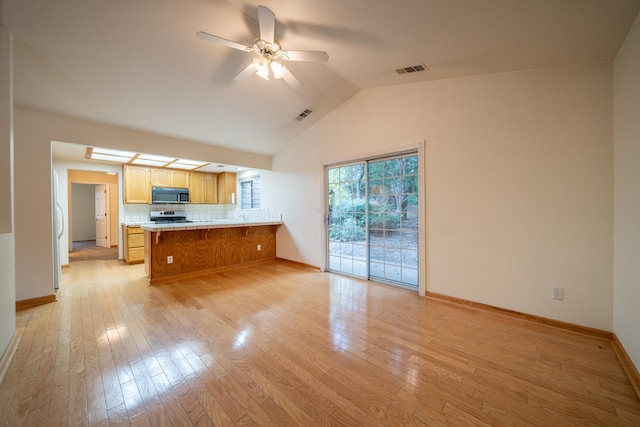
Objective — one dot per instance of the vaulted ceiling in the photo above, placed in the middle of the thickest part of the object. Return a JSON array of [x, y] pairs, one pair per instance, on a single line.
[[138, 63]]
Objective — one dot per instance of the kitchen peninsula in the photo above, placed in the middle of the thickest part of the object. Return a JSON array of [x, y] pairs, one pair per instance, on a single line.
[[175, 251]]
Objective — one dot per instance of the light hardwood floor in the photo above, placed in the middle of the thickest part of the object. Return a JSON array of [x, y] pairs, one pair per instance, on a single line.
[[278, 344]]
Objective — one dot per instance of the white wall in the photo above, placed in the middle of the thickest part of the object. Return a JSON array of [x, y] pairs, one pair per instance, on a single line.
[[626, 117], [7, 235], [519, 184], [34, 132], [83, 206]]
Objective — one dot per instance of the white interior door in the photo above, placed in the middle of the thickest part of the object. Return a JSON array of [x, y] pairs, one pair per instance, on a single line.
[[102, 238]]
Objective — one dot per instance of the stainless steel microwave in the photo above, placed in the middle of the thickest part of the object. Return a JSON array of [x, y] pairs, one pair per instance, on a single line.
[[162, 195]]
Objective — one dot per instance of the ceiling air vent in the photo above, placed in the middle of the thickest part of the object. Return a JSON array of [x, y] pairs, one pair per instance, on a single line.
[[412, 69], [304, 114]]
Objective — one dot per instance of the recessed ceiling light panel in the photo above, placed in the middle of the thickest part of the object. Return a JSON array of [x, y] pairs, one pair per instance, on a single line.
[[110, 152], [109, 158], [130, 157], [156, 158], [148, 162]]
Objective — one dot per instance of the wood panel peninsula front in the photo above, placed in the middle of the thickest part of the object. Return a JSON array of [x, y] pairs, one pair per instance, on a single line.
[[176, 251]]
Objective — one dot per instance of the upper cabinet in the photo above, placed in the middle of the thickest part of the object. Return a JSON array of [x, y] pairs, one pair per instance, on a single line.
[[180, 179], [136, 180], [203, 188], [227, 188], [169, 178]]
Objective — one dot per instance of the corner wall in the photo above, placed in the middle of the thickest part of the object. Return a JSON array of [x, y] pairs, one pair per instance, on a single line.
[[7, 227], [519, 188], [626, 132]]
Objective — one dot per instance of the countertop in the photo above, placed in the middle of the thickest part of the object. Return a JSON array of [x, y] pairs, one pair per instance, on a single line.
[[205, 224]]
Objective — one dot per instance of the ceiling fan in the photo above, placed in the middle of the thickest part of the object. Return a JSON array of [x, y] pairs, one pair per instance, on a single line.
[[268, 52]]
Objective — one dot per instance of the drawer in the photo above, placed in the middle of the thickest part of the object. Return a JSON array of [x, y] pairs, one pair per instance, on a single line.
[[136, 254], [135, 240], [135, 230]]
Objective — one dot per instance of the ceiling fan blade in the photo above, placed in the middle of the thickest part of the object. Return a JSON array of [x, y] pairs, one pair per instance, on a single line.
[[307, 55], [220, 40], [250, 69], [291, 80], [267, 22]]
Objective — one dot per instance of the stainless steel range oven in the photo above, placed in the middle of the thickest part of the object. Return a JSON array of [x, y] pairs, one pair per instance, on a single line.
[[168, 217]]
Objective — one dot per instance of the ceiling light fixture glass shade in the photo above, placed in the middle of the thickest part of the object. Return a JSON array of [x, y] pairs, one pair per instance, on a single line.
[[262, 67], [278, 70]]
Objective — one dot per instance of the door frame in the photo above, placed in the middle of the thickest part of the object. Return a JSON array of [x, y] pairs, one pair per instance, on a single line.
[[419, 147], [93, 177]]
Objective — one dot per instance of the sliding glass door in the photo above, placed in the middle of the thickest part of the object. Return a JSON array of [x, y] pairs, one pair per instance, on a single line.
[[347, 219], [372, 220], [393, 220]]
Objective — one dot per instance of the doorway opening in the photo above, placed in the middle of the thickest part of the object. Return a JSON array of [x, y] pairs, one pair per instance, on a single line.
[[93, 215], [373, 220]]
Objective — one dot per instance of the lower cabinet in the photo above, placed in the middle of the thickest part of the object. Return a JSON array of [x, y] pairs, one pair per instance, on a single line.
[[133, 244]]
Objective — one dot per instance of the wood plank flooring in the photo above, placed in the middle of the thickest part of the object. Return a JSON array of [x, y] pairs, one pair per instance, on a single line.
[[281, 345]]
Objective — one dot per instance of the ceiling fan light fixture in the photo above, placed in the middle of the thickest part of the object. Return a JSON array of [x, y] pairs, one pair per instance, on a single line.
[[262, 67], [261, 63], [278, 70], [268, 52]]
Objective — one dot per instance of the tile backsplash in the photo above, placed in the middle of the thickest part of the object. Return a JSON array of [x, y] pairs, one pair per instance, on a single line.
[[140, 213], [133, 213]]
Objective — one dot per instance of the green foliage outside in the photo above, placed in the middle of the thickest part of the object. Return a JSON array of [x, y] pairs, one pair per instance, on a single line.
[[392, 194]]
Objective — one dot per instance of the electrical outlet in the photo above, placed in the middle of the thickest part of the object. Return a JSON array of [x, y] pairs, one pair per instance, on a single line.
[[170, 259], [259, 247], [557, 293]]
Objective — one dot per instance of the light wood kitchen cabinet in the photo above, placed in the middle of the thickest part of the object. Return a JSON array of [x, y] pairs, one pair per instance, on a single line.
[[160, 177], [133, 244], [203, 188], [227, 188], [137, 188], [169, 178], [202, 251], [180, 179]]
